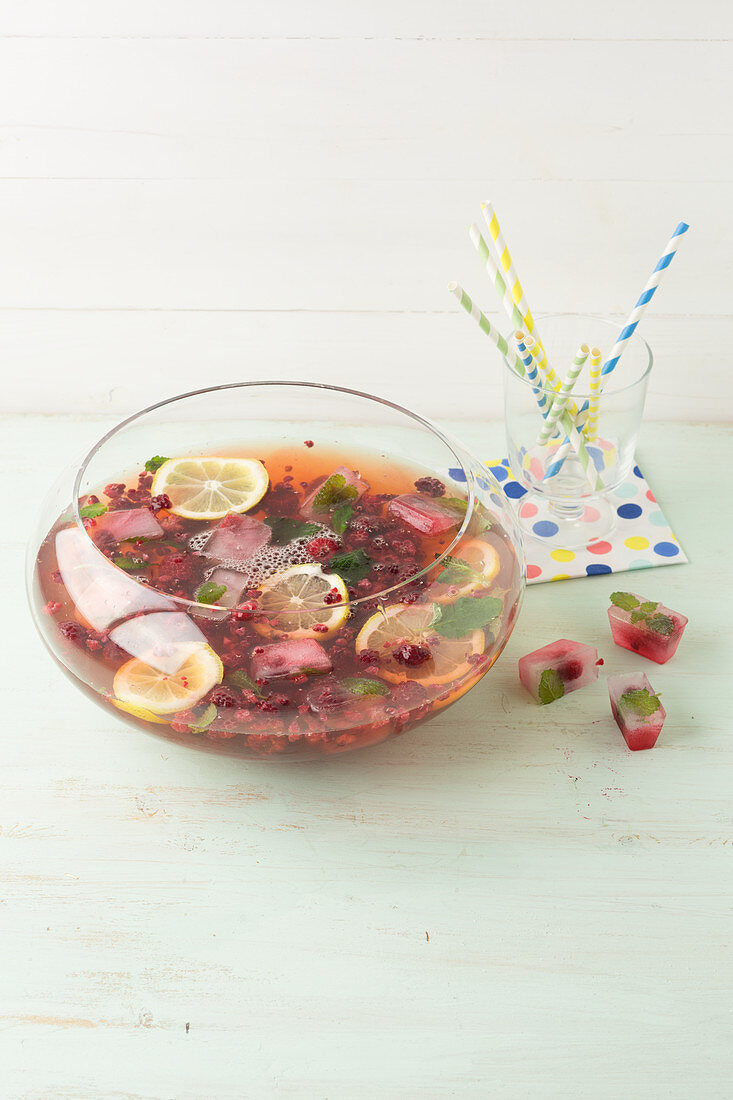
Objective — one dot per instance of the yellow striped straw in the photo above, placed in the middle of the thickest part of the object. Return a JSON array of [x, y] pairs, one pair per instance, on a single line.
[[514, 286], [591, 424]]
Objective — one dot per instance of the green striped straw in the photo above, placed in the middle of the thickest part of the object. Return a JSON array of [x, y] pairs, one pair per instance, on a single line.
[[522, 319], [486, 326], [561, 401]]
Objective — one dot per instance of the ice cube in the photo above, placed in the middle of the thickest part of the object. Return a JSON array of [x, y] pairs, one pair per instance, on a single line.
[[558, 668], [291, 658], [638, 712], [235, 583], [423, 513], [351, 478], [164, 640], [101, 592], [130, 523], [645, 627], [237, 538]]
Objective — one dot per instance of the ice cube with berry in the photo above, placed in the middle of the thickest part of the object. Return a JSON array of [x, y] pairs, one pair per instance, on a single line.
[[638, 712], [558, 668], [645, 626]]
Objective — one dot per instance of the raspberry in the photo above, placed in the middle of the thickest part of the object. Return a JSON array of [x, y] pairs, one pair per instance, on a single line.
[[320, 628], [116, 489], [223, 697], [52, 607], [161, 501], [244, 611], [430, 486], [268, 706], [320, 548], [369, 656], [412, 654], [308, 442], [403, 547], [71, 630], [570, 670], [334, 596]]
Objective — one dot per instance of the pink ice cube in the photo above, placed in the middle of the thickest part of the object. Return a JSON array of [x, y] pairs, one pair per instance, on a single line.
[[130, 523], [640, 728], [291, 658], [656, 632], [237, 538], [423, 513], [351, 478], [558, 668]]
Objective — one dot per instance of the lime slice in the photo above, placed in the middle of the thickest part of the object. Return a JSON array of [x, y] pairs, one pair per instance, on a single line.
[[206, 487], [142, 686], [400, 623], [294, 603]]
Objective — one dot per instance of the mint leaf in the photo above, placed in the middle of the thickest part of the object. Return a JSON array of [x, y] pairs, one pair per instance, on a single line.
[[285, 530], [466, 614], [550, 686], [641, 702], [457, 505], [350, 567], [647, 608], [661, 624], [334, 491], [130, 565], [238, 678], [456, 571], [624, 600], [637, 615], [91, 511], [205, 720], [210, 592], [364, 685], [341, 516], [155, 463]]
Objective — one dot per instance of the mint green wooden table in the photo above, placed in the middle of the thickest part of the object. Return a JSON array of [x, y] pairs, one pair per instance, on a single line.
[[504, 903]]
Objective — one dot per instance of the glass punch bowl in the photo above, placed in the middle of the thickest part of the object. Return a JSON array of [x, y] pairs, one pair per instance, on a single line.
[[406, 640]]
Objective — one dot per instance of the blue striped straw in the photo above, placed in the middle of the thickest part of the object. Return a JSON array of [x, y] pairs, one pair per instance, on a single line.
[[644, 299], [524, 347]]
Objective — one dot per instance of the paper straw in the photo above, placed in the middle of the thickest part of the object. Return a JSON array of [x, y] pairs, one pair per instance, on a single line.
[[515, 289], [510, 306], [507, 263], [560, 402], [591, 424], [485, 325], [644, 298], [575, 438], [636, 314], [525, 345]]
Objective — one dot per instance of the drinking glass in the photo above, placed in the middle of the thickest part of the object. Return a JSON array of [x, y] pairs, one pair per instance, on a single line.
[[566, 502]]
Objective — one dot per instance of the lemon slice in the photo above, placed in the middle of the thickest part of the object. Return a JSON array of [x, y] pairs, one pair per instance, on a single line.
[[412, 623], [294, 603], [139, 712], [142, 686], [483, 558], [205, 487]]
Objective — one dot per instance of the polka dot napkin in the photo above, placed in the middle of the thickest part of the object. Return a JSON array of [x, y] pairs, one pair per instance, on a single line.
[[642, 537]]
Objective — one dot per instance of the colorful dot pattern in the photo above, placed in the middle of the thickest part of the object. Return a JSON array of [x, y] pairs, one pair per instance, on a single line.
[[642, 537]]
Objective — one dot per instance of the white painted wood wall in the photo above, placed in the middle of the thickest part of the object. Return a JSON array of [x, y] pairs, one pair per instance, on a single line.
[[196, 192]]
